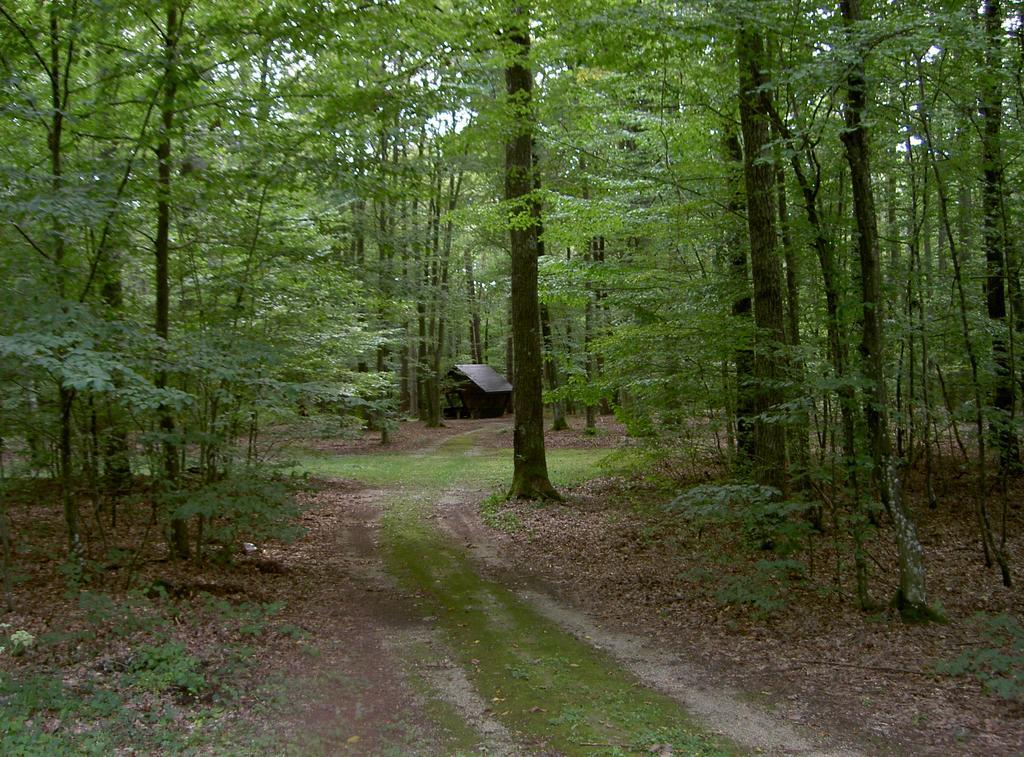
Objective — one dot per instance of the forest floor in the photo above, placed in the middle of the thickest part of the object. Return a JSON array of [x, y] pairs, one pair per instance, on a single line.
[[418, 614]]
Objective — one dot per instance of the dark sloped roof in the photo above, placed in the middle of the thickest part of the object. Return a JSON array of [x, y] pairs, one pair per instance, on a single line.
[[485, 377]]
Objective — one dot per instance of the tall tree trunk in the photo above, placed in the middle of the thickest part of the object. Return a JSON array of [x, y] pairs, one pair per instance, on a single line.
[[1003, 434], [5, 548], [530, 472], [550, 366], [510, 357], [179, 528], [799, 432], [441, 300], [989, 546], [922, 323], [475, 337], [766, 267], [405, 383], [911, 598], [601, 318], [739, 275], [558, 422], [588, 338], [57, 73], [837, 349], [117, 469], [433, 287]]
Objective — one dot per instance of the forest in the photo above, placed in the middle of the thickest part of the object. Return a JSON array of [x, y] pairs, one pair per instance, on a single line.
[[753, 268]]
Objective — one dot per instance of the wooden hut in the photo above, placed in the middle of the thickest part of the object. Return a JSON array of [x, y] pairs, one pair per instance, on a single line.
[[476, 391]]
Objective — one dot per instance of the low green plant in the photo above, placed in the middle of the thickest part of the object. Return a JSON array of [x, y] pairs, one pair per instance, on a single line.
[[16, 643], [765, 519], [495, 513], [21, 642], [258, 617], [999, 664], [25, 699], [764, 589], [242, 507], [159, 667], [293, 632], [78, 572], [249, 618], [125, 616]]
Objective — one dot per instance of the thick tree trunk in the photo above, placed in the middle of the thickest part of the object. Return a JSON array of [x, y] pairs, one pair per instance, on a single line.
[[911, 597], [766, 267], [510, 358], [179, 528], [1003, 434], [530, 472]]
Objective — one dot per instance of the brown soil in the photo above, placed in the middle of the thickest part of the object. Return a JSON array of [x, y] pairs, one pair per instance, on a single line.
[[347, 690]]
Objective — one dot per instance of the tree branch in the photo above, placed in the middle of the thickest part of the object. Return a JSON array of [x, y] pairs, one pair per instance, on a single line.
[[31, 241], [24, 35]]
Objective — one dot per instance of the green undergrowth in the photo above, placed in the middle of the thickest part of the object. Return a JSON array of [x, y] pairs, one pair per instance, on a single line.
[[495, 514], [551, 690], [997, 661], [136, 683]]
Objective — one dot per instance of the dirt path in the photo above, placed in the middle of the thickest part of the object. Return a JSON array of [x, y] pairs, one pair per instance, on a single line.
[[348, 690], [718, 708], [423, 640]]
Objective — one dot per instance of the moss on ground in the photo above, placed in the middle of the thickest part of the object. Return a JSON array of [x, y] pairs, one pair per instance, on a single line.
[[459, 737]]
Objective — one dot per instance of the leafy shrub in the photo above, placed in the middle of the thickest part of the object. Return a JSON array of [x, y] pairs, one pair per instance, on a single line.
[[243, 507], [248, 618], [763, 590], [157, 668], [18, 642], [999, 667], [765, 520], [78, 572]]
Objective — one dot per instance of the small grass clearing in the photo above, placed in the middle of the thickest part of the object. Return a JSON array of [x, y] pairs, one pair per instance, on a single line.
[[456, 462]]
